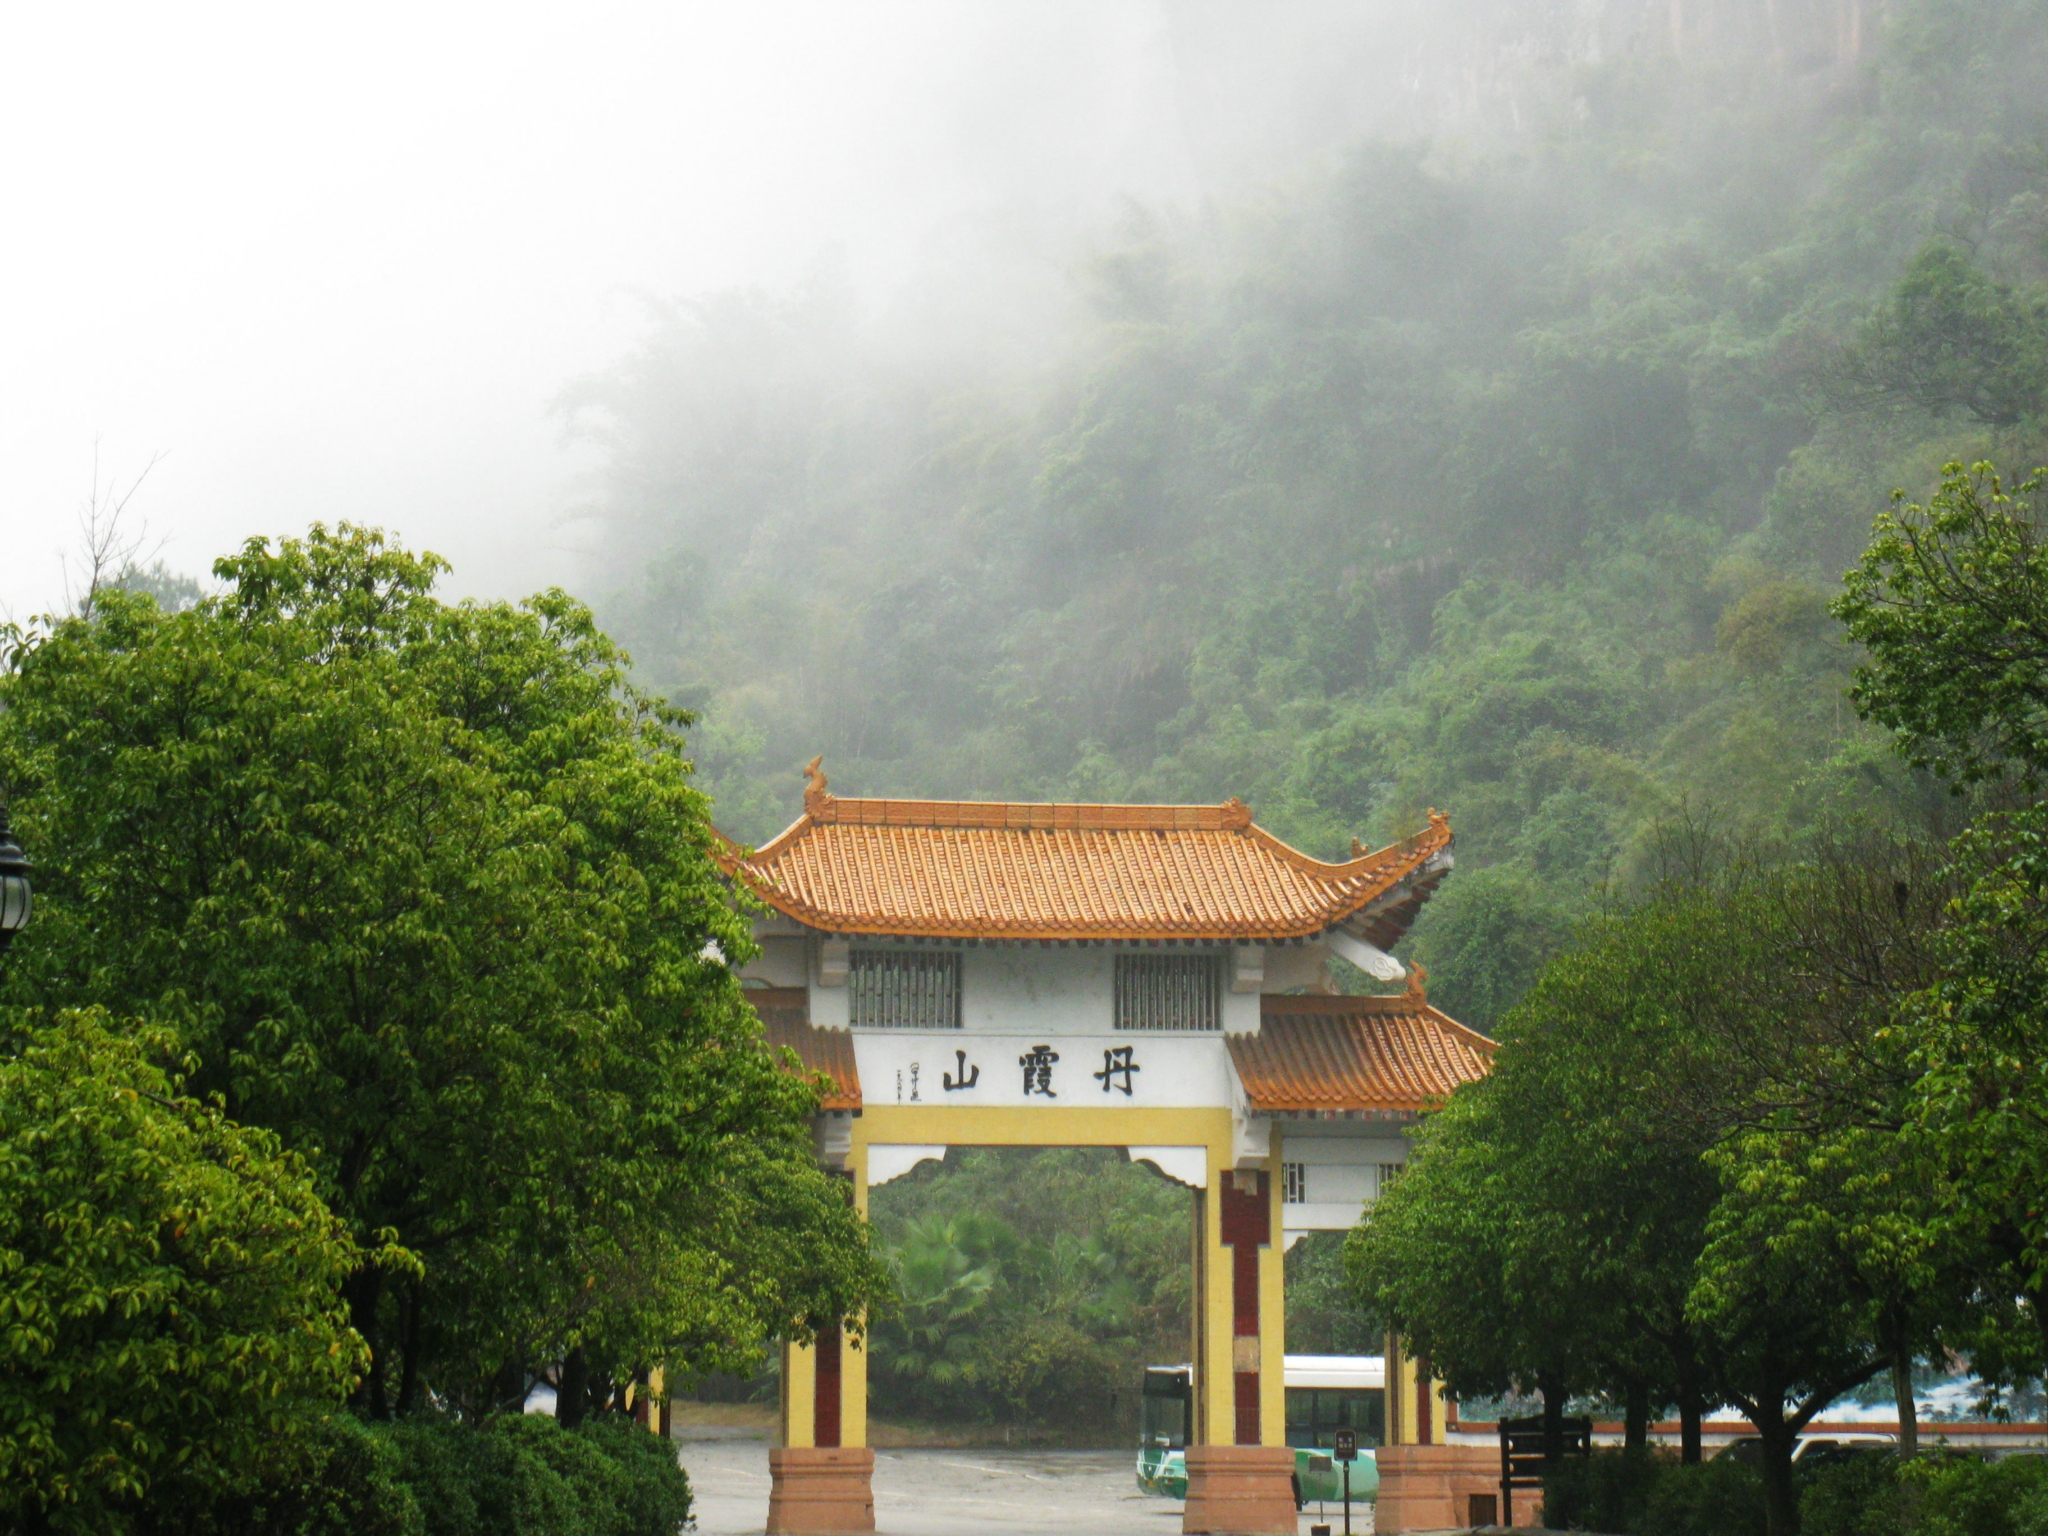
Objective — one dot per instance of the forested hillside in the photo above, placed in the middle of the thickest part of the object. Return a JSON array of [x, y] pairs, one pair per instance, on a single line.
[[1503, 462]]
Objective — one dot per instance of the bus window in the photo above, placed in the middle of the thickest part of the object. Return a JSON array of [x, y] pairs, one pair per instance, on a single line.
[[1163, 1410], [1315, 1414]]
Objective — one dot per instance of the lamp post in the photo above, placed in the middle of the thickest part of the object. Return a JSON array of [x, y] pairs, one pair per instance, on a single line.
[[14, 892]]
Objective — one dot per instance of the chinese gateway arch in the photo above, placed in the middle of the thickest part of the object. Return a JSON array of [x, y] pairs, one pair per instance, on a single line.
[[1151, 977]]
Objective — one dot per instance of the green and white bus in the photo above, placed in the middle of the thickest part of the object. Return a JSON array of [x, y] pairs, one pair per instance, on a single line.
[[1325, 1393]]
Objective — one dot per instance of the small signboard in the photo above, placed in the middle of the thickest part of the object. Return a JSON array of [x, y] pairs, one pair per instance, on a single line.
[[1346, 1448]]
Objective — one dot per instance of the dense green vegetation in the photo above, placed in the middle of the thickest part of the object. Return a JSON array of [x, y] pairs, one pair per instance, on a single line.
[[1510, 470], [1872, 1495], [168, 1283], [417, 900], [1778, 1128], [338, 1475], [1507, 472], [1033, 1287]]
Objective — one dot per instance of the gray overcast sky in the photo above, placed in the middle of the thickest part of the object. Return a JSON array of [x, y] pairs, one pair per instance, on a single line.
[[334, 261]]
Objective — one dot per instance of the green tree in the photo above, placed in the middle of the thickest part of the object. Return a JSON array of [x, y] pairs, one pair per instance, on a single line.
[[168, 1283], [1032, 1288], [1323, 1315], [1689, 1171], [1949, 603], [1432, 1258], [1951, 338], [1579, 1199], [426, 890]]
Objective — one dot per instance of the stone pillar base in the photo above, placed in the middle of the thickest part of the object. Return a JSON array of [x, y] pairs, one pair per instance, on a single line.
[[821, 1490], [1240, 1490], [1431, 1488]]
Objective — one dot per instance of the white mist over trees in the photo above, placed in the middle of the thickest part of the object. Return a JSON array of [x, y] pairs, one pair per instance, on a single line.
[[1500, 462]]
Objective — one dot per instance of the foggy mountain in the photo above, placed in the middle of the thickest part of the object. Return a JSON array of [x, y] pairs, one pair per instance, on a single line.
[[1352, 407], [1487, 435]]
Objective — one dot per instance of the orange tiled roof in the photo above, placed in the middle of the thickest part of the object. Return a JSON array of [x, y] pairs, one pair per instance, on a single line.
[[786, 1017], [995, 870], [1351, 1053]]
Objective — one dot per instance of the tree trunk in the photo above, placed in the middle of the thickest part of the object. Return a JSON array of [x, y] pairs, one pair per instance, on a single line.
[[508, 1388], [1690, 1409], [409, 1375], [1635, 1437], [1553, 1418], [364, 1289], [1902, 1390], [1781, 1499], [2037, 1303], [572, 1394]]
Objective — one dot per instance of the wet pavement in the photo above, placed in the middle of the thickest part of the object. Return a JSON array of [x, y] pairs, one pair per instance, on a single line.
[[960, 1492]]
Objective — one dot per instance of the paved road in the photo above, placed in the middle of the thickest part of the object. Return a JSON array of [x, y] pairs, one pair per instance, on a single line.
[[956, 1493]]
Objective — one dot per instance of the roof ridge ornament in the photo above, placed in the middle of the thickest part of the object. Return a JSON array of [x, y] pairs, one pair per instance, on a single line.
[[1237, 816], [818, 799], [1418, 991]]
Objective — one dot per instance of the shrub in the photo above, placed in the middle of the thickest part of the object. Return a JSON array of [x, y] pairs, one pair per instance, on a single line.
[[464, 1481], [562, 1484], [325, 1475], [1607, 1491], [1859, 1497], [524, 1473], [657, 1499], [520, 1475], [1958, 1496], [1723, 1497]]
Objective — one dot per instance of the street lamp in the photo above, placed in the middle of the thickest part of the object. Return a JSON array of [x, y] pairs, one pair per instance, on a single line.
[[14, 894]]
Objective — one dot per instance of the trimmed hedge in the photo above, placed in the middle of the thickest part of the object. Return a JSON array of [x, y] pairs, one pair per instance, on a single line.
[[1653, 1495], [1937, 1494], [517, 1475], [1934, 1495]]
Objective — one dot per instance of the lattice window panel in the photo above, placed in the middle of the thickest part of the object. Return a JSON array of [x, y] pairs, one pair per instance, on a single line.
[[905, 989], [1294, 1183], [1178, 992]]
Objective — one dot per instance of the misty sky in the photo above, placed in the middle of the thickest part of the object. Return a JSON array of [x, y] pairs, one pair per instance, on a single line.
[[336, 261]]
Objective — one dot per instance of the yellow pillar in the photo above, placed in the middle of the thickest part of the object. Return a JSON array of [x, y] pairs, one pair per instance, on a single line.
[[1240, 1474], [1220, 1353], [657, 1401], [1273, 1312], [1215, 1363], [853, 1355], [1198, 1315], [799, 1394], [1415, 1401], [817, 1489], [803, 1413]]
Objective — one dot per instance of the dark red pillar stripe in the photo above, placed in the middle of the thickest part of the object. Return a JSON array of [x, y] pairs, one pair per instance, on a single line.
[[1247, 1384], [1246, 1225], [826, 1415], [827, 1396]]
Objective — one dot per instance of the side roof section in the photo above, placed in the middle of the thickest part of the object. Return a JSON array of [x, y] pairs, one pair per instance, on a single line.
[[1347, 1054], [786, 1018]]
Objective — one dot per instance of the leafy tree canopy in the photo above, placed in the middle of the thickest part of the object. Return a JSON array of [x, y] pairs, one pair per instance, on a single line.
[[1951, 603], [425, 889], [168, 1283]]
